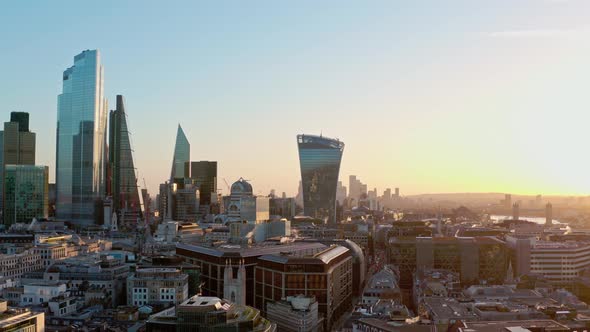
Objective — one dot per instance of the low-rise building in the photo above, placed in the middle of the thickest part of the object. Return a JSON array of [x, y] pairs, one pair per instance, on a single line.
[[52, 252], [157, 286], [295, 314], [38, 293], [519, 325], [15, 265], [435, 283], [559, 262], [20, 319], [87, 271], [381, 286], [203, 313]]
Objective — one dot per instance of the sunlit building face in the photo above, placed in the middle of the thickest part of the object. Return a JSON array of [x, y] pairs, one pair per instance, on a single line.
[[319, 159], [81, 140]]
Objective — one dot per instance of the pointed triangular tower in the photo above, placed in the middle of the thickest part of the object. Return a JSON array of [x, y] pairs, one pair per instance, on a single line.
[[123, 184], [182, 150]]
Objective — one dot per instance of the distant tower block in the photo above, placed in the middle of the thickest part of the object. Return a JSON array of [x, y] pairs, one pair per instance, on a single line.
[[548, 214], [507, 200], [515, 211]]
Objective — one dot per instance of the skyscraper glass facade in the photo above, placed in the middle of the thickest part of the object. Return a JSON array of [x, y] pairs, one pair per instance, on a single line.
[[182, 155], [205, 175], [124, 190], [81, 140], [17, 145], [319, 159], [26, 193]]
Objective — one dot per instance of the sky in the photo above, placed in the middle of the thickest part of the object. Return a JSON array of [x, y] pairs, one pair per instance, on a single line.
[[429, 96]]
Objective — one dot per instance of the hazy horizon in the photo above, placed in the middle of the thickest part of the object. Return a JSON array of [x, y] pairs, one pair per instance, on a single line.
[[433, 98]]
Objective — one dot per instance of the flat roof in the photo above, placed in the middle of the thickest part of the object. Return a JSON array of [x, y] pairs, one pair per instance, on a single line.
[[322, 257], [251, 250]]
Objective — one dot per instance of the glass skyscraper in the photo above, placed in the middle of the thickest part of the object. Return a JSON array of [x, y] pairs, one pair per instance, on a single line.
[[182, 155], [205, 175], [319, 159], [81, 140], [124, 190], [26, 193]]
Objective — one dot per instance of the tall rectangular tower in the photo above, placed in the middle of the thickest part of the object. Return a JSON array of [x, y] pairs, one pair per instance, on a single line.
[[17, 145], [205, 175], [81, 140]]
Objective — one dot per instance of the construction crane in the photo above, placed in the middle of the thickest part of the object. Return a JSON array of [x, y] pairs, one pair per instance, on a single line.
[[227, 185]]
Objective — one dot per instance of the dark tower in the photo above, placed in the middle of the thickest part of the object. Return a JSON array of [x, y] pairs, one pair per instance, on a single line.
[[124, 190]]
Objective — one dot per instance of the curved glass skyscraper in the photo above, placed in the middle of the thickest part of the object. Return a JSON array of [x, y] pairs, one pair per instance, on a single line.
[[81, 140], [319, 158]]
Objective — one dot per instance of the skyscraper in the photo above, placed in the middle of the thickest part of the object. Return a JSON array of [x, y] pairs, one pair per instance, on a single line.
[[124, 188], [81, 140], [319, 159], [205, 175], [26, 191], [182, 155], [17, 145]]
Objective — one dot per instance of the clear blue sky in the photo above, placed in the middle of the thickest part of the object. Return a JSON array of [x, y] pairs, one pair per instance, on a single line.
[[430, 96]]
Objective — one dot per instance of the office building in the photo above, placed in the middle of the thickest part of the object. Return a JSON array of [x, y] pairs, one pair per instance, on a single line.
[[559, 262], [15, 265], [284, 207], [476, 259], [341, 193], [162, 201], [123, 186], [204, 175], [295, 314], [206, 313], [17, 145], [548, 214], [319, 159], [185, 202], [104, 274], [81, 141], [20, 319], [213, 261], [326, 275], [182, 155], [26, 193], [153, 286]]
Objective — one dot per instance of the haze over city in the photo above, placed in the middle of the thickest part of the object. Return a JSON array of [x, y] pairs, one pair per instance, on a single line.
[[429, 96]]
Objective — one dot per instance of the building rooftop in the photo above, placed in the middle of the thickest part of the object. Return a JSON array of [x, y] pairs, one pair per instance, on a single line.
[[323, 257], [13, 316], [514, 326], [390, 326], [256, 250], [314, 141]]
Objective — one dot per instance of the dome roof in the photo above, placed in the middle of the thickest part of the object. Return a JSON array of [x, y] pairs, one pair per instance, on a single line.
[[241, 188]]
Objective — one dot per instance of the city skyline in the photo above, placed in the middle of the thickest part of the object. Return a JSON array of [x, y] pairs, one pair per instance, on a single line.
[[483, 116]]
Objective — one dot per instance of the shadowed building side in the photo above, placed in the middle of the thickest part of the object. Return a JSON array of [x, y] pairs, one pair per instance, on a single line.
[[124, 190]]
